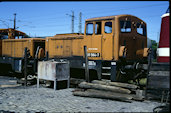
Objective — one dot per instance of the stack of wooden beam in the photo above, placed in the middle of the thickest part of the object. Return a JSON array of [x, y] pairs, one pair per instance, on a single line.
[[106, 89]]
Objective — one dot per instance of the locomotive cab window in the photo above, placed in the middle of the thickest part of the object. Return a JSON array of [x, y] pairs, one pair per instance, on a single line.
[[89, 28], [141, 29], [108, 27], [98, 28], [125, 26]]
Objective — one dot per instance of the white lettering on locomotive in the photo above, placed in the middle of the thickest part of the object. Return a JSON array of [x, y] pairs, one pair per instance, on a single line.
[[92, 48], [93, 54]]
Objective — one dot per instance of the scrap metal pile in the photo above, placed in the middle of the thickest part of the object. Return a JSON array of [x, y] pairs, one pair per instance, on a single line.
[[106, 89]]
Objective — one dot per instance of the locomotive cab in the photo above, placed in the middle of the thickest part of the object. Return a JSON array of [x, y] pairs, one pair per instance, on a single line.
[[108, 37], [115, 44]]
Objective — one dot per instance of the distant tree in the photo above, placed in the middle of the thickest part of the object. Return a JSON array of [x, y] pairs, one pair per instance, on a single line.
[[154, 46]]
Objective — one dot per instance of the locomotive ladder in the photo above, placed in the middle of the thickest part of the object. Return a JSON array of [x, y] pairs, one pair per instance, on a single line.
[[106, 70]]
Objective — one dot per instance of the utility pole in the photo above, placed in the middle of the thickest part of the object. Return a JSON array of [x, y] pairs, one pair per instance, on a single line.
[[72, 21], [15, 21], [14, 25], [79, 27]]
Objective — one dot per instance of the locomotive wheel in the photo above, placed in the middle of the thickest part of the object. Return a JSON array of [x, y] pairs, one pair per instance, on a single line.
[[124, 78], [41, 53], [121, 77]]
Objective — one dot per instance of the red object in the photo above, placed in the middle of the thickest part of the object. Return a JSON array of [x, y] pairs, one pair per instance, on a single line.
[[164, 33], [164, 41], [163, 59]]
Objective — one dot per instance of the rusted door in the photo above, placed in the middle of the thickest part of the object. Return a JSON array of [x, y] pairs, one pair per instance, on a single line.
[[132, 35], [127, 37]]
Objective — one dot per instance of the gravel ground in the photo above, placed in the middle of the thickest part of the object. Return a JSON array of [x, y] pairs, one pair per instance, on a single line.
[[32, 99]]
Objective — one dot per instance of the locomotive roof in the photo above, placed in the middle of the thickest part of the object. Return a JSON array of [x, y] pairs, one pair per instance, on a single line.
[[17, 33], [110, 17], [25, 39]]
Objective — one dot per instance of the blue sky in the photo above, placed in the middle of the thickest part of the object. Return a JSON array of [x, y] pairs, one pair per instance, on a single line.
[[50, 18]]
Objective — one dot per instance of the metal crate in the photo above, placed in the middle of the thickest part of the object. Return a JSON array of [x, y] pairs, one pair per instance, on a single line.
[[54, 71]]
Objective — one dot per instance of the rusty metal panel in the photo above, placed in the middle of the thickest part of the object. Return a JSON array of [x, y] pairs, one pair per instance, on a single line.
[[52, 70]]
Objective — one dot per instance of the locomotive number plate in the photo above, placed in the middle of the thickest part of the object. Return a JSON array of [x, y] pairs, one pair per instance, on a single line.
[[93, 54]]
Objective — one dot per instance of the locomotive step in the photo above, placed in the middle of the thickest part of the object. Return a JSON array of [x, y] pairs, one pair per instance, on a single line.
[[107, 74], [106, 67], [29, 66]]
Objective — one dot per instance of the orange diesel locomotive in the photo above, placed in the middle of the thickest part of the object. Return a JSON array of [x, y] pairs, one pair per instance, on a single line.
[[116, 47]]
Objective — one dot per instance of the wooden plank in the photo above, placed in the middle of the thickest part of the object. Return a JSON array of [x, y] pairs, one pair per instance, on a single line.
[[103, 94], [126, 96], [7, 86], [103, 87], [118, 84]]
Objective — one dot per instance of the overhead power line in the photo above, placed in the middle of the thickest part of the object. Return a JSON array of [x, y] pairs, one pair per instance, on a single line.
[[111, 9], [89, 12], [4, 23]]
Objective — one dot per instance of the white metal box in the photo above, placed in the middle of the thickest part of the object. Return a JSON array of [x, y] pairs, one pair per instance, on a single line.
[[54, 71]]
